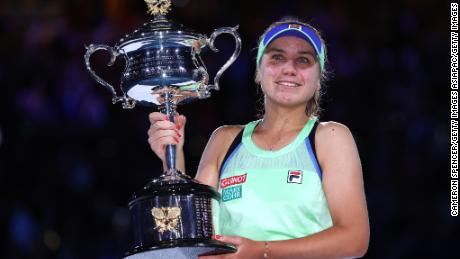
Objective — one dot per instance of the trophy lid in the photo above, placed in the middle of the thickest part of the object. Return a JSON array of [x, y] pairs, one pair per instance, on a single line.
[[160, 31]]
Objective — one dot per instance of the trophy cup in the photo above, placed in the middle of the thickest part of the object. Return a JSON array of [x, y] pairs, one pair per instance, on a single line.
[[171, 215]]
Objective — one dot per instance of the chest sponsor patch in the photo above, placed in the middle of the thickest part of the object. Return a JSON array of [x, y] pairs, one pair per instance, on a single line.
[[237, 179], [231, 193], [295, 176]]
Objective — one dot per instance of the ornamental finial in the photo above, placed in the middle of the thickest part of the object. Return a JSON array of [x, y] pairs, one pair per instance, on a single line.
[[158, 6]]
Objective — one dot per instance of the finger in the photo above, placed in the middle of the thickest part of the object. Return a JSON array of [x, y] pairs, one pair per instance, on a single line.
[[157, 116], [235, 240], [159, 145], [155, 134], [180, 122], [166, 138], [162, 125]]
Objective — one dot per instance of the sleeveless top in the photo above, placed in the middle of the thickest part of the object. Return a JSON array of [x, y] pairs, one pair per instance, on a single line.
[[271, 195]]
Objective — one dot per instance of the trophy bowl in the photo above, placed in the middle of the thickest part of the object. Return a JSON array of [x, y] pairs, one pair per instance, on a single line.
[[162, 56], [171, 215]]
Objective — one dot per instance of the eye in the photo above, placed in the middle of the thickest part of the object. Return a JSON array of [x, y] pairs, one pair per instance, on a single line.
[[305, 60], [277, 57]]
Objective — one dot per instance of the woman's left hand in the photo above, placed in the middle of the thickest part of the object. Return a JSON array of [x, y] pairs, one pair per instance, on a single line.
[[246, 248]]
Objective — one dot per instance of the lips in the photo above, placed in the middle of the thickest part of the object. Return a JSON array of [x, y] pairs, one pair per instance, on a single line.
[[287, 83]]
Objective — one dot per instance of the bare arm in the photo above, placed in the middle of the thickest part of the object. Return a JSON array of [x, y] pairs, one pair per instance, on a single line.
[[214, 154], [343, 186]]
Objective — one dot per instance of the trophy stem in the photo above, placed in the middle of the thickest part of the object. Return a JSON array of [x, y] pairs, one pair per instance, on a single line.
[[170, 110], [168, 107]]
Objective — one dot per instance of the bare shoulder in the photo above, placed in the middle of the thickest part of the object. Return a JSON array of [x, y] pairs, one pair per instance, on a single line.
[[222, 138], [331, 131], [336, 147], [334, 141], [226, 133], [214, 153], [332, 126]]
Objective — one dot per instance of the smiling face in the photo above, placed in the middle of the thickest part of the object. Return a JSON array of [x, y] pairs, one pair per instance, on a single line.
[[289, 72]]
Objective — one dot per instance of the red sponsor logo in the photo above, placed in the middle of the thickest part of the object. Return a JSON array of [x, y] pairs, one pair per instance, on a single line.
[[237, 179]]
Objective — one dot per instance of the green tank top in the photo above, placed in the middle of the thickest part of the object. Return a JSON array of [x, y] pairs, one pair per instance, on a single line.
[[271, 195]]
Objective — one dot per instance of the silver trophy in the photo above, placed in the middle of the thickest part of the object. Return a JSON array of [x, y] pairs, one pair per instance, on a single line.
[[171, 215]]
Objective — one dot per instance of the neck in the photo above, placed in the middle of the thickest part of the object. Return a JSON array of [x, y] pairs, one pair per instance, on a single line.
[[279, 118]]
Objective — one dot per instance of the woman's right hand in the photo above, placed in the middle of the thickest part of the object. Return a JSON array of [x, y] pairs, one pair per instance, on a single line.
[[163, 132]]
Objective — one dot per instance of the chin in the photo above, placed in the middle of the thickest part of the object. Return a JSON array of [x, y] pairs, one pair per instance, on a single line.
[[290, 102], [290, 98]]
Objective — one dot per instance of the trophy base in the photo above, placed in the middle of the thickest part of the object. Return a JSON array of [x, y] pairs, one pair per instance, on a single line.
[[172, 219], [182, 250]]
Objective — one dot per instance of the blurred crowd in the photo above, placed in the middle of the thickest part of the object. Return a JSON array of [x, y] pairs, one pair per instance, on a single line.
[[69, 159]]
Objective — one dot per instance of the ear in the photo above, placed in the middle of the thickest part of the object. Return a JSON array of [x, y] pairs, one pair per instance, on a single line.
[[257, 79], [318, 83]]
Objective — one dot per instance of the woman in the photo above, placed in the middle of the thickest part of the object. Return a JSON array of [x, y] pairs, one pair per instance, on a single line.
[[291, 186]]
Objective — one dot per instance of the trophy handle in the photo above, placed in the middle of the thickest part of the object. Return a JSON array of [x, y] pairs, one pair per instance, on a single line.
[[203, 91], [127, 103], [236, 52]]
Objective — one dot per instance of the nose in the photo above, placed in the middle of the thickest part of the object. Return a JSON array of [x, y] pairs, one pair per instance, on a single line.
[[289, 68]]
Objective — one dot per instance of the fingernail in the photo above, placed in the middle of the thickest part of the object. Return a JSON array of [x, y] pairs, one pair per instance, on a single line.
[[217, 237], [167, 117], [178, 134], [177, 126], [176, 139]]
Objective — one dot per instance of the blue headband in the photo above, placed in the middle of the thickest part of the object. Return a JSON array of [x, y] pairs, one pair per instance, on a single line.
[[296, 30]]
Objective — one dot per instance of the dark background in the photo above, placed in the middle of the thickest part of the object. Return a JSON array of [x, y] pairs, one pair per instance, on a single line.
[[69, 159]]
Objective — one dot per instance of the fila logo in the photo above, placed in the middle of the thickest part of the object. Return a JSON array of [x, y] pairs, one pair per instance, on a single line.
[[295, 176]]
